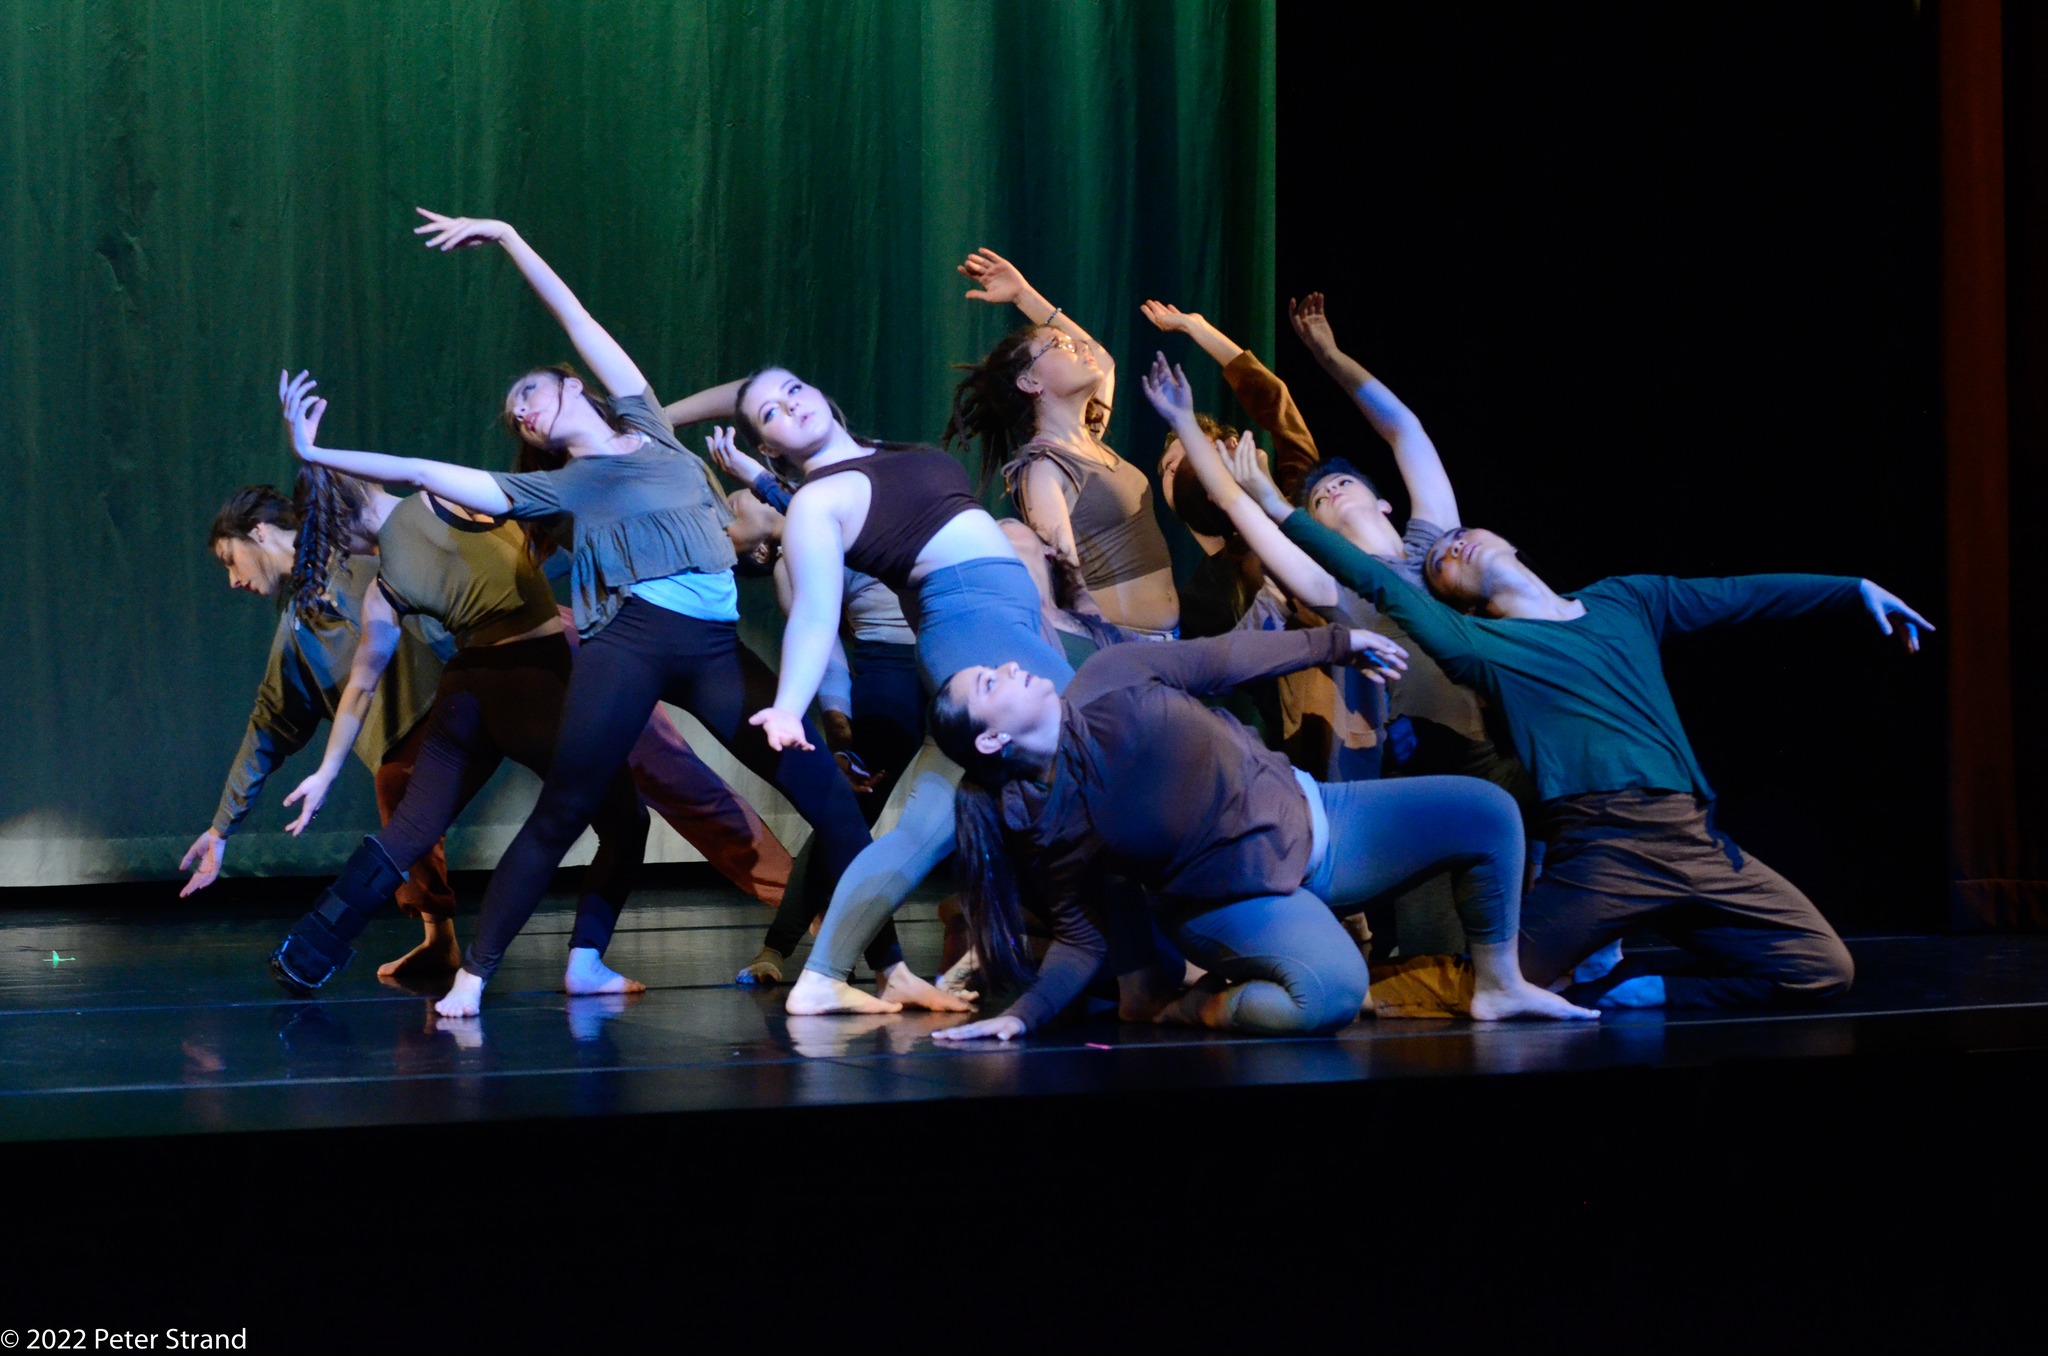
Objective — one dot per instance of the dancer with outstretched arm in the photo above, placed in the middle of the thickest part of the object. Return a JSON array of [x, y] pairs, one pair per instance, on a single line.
[[499, 697], [905, 515], [1630, 843], [1039, 405], [1247, 858], [255, 537], [653, 593]]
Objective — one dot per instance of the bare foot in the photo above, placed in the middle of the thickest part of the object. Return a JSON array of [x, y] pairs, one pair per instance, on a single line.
[[1143, 994], [465, 996], [906, 989], [1523, 999], [814, 996], [588, 974], [765, 968], [434, 957], [1200, 1006]]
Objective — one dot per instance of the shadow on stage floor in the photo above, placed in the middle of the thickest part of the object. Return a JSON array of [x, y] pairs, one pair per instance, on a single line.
[[189, 1139]]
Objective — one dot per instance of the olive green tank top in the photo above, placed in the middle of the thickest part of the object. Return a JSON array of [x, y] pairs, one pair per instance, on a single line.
[[472, 577]]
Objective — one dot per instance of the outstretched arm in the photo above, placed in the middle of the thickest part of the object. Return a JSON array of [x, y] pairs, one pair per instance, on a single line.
[[713, 402], [463, 485], [814, 549], [600, 352], [1211, 340], [1422, 470], [1167, 389], [373, 656], [996, 280]]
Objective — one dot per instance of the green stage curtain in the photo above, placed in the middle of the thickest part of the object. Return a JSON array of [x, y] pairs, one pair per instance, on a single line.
[[198, 194]]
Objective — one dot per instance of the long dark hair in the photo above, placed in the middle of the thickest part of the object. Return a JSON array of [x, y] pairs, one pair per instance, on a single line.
[[987, 878], [988, 407], [329, 504], [544, 534], [249, 508]]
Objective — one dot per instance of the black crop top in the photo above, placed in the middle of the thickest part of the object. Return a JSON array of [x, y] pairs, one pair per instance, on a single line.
[[915, 491]]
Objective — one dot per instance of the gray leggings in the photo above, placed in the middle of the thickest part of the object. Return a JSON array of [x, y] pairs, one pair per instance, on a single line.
[[1290, 966], [983, 612]]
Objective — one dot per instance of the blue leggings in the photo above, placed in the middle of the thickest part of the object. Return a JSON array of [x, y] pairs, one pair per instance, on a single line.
[[984, 612], [1292, 967]]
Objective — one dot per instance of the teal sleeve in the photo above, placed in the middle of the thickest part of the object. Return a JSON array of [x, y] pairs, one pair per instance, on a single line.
[[1447, 636], [1678, 606]]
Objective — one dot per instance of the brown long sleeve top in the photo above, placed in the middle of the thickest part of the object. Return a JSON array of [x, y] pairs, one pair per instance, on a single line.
[[1236, 825]]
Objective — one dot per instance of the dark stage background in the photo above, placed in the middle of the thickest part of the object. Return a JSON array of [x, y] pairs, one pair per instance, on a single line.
[[1663, 284]]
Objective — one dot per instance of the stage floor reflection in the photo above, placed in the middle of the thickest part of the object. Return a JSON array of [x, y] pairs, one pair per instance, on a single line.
[[163, 1021]]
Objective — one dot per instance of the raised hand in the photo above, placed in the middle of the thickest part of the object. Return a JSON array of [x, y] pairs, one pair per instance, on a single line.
[[210, 850], [996, 280], [783, 729], [1004, 1028], [1169, 317], [450, 233], [1376, 657], [302, 411], [727, 457], [1884, 606], [313, 791], [1166, 386], [1312, 322]]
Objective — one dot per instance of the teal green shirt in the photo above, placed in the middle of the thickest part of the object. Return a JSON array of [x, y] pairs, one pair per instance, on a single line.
[[1585, 701]]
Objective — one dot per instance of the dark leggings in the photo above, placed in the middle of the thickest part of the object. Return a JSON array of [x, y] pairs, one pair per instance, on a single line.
[[505, 701], [888, 715], [888, 729], [647, 654]]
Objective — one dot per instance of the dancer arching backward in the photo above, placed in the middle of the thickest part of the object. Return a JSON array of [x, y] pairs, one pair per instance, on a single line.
[[1039, 405], [1247, 857], [1437, 726], [500, 696], [908, 517], [872, 716], [653, 590], [1579, 682], [255, 535]]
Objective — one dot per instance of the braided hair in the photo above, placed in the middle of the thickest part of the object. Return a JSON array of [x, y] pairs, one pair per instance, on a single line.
[[329, 505]]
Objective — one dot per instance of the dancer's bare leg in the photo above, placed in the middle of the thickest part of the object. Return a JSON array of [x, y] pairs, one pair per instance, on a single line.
[[1501, 993], [906, 989], [814, 995], [437, 954]]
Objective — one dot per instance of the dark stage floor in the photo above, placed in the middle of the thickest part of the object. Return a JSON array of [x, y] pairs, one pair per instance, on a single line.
[[163, 1021], [182, 1144]]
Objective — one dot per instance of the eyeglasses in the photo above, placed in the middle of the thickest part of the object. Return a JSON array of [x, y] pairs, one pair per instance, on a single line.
[[1061, 340]]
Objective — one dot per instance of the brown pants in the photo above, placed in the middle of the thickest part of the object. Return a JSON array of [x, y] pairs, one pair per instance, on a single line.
[[698, 804], [426, 892], [1619, 862]]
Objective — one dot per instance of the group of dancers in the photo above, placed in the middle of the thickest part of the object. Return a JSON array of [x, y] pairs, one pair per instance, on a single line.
[[1023, 686]]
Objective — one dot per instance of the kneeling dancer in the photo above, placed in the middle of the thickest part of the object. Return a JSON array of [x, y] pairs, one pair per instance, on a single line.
[[1249, 860]]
